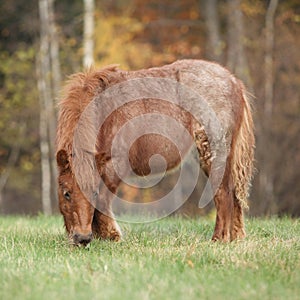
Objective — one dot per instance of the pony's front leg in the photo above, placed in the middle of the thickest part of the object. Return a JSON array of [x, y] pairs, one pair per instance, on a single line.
[[224, 206], [104, 225]]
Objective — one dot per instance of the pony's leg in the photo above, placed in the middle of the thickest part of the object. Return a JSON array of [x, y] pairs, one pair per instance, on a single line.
[[224, 196], [224, 206], [237, 228], [104, 225], [204, 150]]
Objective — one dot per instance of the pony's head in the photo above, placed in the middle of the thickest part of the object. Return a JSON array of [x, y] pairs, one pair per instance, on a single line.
[[77, 211]]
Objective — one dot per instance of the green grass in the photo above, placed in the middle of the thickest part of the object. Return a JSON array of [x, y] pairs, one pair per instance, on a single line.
[[169, 259]]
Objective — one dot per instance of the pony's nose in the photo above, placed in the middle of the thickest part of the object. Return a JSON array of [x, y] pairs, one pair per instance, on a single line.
[[82, 239]]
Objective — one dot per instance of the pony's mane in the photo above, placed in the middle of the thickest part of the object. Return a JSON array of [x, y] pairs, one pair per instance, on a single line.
[[79, 91]]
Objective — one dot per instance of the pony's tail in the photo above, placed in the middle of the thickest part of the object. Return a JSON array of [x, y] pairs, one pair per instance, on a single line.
[[243, 155]]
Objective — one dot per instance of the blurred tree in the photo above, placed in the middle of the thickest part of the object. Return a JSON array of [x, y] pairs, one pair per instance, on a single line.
[[19, 153], [11, 161], [266, 174], [88, 33], [48, 71], [116, 43], [236, 55], [215, 45], [55, 87], [269, 52]]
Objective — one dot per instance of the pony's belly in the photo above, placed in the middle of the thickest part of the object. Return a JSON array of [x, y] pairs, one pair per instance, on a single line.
[[155, 153], [150, 152]]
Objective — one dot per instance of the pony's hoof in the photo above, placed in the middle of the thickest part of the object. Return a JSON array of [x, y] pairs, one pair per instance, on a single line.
[[238, 235], [221, 238], [116, 237]]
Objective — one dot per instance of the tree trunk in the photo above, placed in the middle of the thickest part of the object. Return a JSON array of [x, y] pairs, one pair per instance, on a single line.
[[269, 49], [45, 152], [44, 145], [266, 177], [56, 85], [236, 56], [48, 73], [88, 32], [12, 159], [215, 46]]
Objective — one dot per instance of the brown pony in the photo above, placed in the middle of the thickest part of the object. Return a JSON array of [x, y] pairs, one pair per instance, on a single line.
[[223, 93]]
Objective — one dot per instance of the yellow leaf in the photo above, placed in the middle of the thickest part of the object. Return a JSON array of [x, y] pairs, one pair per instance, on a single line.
[[190, 263]]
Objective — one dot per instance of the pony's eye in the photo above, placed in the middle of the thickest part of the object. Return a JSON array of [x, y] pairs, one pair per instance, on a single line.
[[67, 195]]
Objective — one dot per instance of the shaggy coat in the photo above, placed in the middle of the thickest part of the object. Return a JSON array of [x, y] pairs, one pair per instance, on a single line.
[[225, 95]]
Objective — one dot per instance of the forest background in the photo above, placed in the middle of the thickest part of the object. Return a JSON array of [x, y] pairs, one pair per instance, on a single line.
[[44, 41]]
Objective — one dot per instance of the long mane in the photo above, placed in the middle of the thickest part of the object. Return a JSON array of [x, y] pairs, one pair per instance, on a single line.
[[79, 91]]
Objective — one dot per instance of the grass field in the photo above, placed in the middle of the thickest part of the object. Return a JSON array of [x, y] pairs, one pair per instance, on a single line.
[[169, 259]]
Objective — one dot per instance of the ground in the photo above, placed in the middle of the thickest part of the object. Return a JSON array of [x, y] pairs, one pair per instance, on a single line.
[[168, 259]]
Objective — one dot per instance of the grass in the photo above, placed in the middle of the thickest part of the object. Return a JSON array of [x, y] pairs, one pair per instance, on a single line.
[[169, 259]]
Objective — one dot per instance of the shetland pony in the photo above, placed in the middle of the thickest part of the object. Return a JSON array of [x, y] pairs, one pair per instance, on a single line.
[[224, 94]]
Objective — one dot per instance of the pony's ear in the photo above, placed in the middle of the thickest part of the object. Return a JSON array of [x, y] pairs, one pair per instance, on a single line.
[[62, 160], [101, 158]]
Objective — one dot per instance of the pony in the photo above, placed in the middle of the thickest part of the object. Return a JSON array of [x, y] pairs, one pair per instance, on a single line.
[[223, 93]]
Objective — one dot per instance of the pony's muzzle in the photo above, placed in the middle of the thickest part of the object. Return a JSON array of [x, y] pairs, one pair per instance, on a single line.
[[82, 239]]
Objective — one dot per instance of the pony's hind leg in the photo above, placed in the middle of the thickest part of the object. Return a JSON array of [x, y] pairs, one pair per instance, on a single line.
[[237, 228], [224, 196], [224, 206], [203, 147]]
